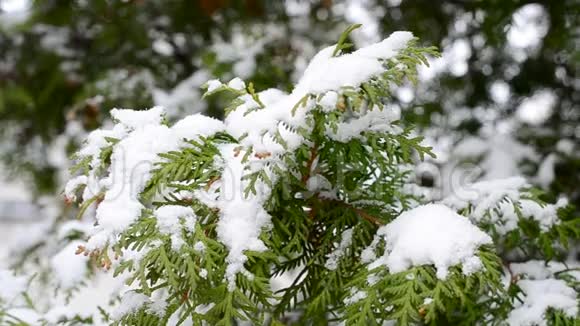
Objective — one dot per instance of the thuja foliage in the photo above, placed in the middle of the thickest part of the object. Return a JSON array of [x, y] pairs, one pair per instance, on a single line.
[[326, 195]]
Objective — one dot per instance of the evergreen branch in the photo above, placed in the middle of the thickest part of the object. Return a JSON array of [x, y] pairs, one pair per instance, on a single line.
[[313, 154], [87, 203], [368, 217], [341, 44]]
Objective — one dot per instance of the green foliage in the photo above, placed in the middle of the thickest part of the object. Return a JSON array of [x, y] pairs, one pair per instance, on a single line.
[[342, 45], [193, 164], [366, 176], [530, 238], [418, 296], [318, 193]]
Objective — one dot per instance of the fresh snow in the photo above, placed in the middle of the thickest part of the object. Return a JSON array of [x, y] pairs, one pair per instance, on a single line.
[[327, 73], [12, 286], [56, 314], [202, 309], [317, 183], [539, 296], [159, 305], [69, 269], [237, 84], [71, 226], [374, 120], [493, 202], [199, 246], [540, 270], [97, 140], [275, 118], [169, 222], [336, 254], [324, 73], [355, 297], [213, 84], [484, 195], [27, 315], [258, 128], [132, 119], [545, 215], [328, 101], [73, 185], [132, 159], [431, 234], [142, 135], [241, 219], [131, 302]]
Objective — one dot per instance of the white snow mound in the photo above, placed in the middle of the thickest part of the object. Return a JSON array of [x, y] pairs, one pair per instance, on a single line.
[[431, 234]]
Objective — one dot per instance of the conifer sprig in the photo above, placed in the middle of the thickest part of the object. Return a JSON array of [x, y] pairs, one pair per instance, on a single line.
[[329, 173]]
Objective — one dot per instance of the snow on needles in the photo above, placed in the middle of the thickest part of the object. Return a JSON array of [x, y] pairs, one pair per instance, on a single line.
[[430, 234], [130, 303], [494, 202], [131, 162], [327, 73], [539, 296], [169, 222], [261, 126], [69, 269], [73, 185], [324, 73], [242, 219], [375, 119], [336, 254], [484, 195], [12, 286], [540, 270]]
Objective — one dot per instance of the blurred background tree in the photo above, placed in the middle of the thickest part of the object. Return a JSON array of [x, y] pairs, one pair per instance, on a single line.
[[64, 64]]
